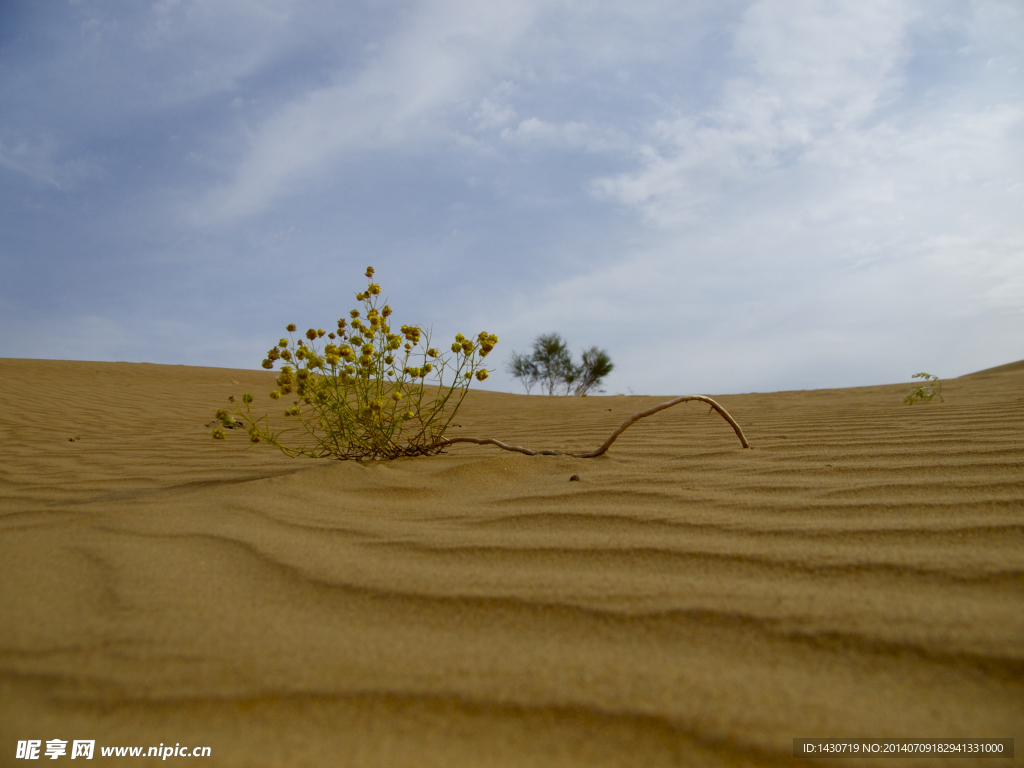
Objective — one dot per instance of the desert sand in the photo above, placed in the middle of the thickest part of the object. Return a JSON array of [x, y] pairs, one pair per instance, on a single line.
[[858, 572]]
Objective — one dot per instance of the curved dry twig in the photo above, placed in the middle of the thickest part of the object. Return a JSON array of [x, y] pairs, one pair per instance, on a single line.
[[614, 436]]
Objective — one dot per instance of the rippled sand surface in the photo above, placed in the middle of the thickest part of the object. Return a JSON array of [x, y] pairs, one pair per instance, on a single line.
[[859, 572]]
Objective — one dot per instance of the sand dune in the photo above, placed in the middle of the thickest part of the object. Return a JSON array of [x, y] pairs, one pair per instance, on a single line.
[[859, 572]]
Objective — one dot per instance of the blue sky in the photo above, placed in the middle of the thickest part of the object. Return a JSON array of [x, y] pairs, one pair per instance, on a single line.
[[727, 196]]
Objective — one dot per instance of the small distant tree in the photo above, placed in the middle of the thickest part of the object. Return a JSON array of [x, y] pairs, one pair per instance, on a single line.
[[596, 365], [523, 368], [550, 365]]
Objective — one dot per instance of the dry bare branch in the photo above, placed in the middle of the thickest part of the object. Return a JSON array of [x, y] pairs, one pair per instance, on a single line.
[[614, 436]]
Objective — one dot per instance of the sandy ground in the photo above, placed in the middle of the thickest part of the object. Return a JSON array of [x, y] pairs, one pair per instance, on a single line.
[[859, 572]]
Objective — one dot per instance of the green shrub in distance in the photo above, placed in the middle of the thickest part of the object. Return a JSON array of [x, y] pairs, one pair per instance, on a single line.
[[926, 390], [368, 393]]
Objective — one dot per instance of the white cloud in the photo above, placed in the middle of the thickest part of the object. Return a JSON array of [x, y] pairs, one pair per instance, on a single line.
[[445, 53], [493, 114], [40, 161], [809, 215], [568, 136], [815, 70]]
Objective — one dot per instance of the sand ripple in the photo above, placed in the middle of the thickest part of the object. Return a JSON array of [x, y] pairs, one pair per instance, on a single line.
[[858, 572]]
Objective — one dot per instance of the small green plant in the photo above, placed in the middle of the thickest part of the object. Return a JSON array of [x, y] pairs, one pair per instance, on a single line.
[[365, 395], [926, 390], [551, 365]]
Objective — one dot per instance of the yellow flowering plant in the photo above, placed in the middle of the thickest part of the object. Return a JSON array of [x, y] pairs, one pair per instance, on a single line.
[[367, 393]]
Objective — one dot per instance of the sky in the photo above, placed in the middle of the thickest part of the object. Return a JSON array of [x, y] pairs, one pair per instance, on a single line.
[[726, 196]]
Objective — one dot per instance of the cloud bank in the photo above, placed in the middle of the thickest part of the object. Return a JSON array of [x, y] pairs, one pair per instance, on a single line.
[[727, 196]]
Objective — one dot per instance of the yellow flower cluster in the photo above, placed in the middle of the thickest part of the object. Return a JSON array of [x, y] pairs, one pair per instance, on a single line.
[[348, 394]]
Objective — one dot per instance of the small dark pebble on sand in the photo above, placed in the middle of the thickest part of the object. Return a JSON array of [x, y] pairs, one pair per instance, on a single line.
[[574, 477]]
